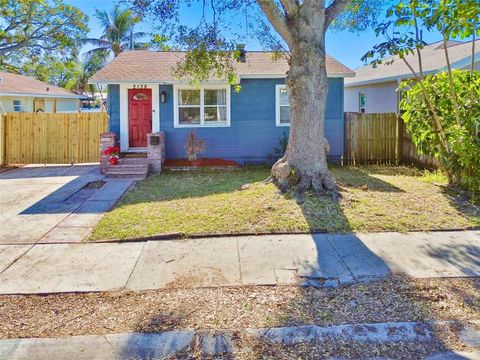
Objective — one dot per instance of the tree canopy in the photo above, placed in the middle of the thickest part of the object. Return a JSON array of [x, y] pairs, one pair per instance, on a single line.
[[118, 33], [37, 30]]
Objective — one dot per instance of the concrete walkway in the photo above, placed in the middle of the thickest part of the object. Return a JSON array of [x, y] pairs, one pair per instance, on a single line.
[[216, 343], [317, 260], [45, 204]]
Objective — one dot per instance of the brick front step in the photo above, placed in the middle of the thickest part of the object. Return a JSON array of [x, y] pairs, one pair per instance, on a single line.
[[134, 161], [139, 171]]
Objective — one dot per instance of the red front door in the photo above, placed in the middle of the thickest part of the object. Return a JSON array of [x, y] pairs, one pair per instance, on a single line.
[[139, 116]]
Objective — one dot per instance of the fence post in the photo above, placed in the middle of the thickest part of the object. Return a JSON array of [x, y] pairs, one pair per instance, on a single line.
[[3, 139], [400, 139]]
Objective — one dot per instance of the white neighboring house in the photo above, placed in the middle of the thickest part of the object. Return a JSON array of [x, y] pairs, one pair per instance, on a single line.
[[374, 90], [23, 94]]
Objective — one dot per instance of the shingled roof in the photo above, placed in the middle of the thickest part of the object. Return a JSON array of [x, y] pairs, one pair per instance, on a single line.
[[433, 59], [19, 85], [152, 66]]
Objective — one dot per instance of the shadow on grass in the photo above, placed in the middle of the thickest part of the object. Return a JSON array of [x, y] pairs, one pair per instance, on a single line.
[[360, 178], [252, 207]]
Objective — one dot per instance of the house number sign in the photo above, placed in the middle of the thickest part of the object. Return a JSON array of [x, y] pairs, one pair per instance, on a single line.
[[137, 86]]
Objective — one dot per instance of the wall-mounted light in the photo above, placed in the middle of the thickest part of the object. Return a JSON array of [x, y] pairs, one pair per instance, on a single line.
[[163, 97]]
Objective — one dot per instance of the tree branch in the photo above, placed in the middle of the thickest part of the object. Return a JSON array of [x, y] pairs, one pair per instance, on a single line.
[[290, 6], [334, 10], [277, 19]]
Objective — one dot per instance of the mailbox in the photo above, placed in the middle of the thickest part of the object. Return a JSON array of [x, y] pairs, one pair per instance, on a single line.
[[154, 140]]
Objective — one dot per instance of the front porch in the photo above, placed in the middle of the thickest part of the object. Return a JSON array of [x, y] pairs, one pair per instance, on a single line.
[[132, 164]]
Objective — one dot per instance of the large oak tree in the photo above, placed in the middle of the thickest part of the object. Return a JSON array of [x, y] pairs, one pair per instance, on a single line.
[[299, 28]]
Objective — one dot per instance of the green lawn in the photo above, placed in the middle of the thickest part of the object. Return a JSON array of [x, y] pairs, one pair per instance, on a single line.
[[373, 198]]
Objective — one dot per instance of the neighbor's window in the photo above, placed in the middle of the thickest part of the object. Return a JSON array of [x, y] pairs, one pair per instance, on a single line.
[[401, 96], [207, 106], [282, 112], [17, 105], [363, 102]]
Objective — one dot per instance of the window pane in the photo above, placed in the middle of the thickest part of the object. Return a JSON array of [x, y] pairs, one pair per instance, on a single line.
[[215, 113], [188, 97], [284, 114], [189, 115], [140, 96], [363, 100], [215, 97], [284, 96]]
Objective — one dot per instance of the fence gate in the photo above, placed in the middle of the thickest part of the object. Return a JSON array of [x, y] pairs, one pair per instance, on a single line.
[[372, 139], [380, 139], [51, 138]]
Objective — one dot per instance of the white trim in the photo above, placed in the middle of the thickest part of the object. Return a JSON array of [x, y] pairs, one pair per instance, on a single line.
[[279, 87], [202, 88], [124, 140], [159, 82]]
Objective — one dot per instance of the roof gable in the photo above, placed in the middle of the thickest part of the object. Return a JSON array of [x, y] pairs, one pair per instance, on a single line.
[[433, 59], [153, 66], [19, 85]]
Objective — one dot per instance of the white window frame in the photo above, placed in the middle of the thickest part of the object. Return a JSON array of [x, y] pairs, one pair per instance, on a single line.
[[278, 88], [19, 104], [176, 123], [360, 102]]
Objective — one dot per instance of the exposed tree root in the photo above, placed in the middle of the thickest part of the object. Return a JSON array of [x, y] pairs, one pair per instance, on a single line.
[[288, 177]]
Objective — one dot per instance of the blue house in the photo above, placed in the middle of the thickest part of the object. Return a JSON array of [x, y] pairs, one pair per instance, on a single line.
[[244, 126]]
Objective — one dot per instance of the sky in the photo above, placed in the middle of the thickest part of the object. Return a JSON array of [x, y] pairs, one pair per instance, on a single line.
[[345, 46]]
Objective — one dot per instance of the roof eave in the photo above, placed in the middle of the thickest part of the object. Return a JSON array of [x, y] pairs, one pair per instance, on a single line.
[[243, 76], [456, 65], [73, 96]]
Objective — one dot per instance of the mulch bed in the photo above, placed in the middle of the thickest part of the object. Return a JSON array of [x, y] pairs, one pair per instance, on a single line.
[[206, 162]]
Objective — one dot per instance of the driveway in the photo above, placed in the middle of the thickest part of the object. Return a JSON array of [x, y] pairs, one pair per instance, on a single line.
[[45, 204]]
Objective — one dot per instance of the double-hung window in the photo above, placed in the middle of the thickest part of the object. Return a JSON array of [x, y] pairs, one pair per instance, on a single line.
[[17, 105], [207, 106], [282, 111]]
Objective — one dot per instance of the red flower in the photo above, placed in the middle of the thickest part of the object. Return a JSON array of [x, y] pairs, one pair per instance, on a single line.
[[113, 161]]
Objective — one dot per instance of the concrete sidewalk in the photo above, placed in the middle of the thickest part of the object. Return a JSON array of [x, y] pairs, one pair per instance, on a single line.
[[317, 260]]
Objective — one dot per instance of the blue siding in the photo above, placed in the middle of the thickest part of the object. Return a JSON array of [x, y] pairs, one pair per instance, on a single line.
[[252, 135], [113, 105]]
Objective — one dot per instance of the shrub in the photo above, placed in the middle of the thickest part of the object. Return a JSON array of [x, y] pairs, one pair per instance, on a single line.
[[194, 147], [461, 162]]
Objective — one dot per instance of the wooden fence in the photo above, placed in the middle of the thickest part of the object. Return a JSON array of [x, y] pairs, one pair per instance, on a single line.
[[380, 139], [48, 138]]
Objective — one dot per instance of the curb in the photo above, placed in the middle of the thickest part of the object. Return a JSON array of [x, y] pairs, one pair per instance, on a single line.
[[183, 236], [160, 345]]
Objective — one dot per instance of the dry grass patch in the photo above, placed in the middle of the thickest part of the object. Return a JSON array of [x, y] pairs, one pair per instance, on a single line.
[[373, 199]]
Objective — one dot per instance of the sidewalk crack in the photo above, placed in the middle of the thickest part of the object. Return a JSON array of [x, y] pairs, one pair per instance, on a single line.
[[135, 265], [16, 259], [239, 262], [339, 256]]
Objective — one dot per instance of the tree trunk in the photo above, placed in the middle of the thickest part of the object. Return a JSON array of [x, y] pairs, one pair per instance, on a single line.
[[304, 165]]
